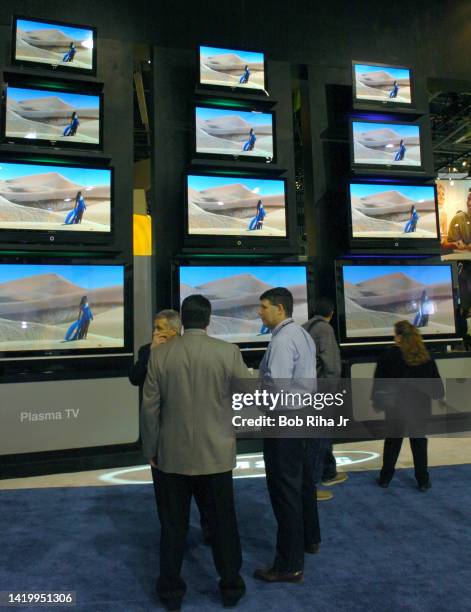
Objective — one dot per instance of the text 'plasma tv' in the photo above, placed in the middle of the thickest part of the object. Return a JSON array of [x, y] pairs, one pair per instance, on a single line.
[[232, 68], [372, 297], [54, 44], [381, 84], [234, 292], [61, 310]]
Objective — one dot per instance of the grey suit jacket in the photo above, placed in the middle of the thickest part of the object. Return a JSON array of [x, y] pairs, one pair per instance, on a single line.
[[186, 415]]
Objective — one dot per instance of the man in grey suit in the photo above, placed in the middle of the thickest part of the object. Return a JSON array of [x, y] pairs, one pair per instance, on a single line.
[[188, 437]]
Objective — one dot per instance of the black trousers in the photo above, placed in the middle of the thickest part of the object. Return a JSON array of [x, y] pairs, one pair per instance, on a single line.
[[289, 467], [392, 448], [174, 493]]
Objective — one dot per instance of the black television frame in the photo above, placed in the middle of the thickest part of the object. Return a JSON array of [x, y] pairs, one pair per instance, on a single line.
[[73, 87], [398, 242], [56, 236], [383, 104], [55, 67], [381, 261], [247, 107], [59, 354], [232, 88], [388, 169], [228, 262], [237, 242]]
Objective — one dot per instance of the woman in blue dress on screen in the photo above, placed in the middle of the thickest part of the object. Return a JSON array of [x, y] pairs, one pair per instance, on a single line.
[[256, 223], [394, 90], [71, 128], [70, 54], [250, 144], [411, 224], [426, 308], [79, 328], [75, 215], [401, 152], [245, 77]]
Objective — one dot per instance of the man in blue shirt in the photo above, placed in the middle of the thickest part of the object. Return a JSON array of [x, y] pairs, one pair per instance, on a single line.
[[289, 462]]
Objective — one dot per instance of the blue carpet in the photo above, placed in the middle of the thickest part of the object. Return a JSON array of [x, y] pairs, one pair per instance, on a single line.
[[382, 550]]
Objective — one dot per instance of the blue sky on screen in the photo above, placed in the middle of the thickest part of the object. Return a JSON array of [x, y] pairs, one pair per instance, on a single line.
[[77, 101], [401, 129], [265, 187], [276, 276], [428, 275], [73, 33], [83, 176], [254, 119], [414, 192], [247, 56], [398, 73], [88, 277]]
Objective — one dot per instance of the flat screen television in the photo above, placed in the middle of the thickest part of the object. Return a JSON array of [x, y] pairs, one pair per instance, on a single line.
[[62, 309], [393, 212], [54, 201], [386, 145], [232, 68], [37, 115], [381, 84], [54, 44], [230, 132], [222, 206], [373, 295], [234, 292]]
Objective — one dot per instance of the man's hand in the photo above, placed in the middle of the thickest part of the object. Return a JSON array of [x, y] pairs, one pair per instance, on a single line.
[[158, 338], [153, 462]]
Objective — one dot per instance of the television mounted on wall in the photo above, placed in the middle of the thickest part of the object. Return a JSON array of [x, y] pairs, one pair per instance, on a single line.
[[382, 85], [232, 69]]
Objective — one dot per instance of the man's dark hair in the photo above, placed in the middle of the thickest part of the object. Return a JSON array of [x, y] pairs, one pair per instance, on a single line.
[[324, 307], [279, 296], [196, 312]]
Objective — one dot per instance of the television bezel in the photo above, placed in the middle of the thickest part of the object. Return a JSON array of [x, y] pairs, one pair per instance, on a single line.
[[55, 67], [56, 236], [396, 242], [66, 353], [236, 241], [222, 262], [382, 104], [389, 169], [362, 341], [233, 88], [246, 108], [75, 89]]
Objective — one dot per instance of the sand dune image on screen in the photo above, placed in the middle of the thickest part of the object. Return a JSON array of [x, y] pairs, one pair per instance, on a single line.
[[392, 293], [41, 198], [225, 132], [226, 67], [38, 307], [376, 83], [382, 211], [45, 115], [379, 144], [228, 207], [234, 297]]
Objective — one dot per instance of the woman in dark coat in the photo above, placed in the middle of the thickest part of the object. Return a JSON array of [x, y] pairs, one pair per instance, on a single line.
[[409, 361]]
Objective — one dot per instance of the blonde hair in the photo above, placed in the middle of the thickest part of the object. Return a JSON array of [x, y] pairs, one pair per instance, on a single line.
[[412, 346]]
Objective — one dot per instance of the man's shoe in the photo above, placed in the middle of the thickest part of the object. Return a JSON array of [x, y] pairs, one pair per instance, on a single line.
[[271, 575], [324, 495], [337, 479], [312, 549], [424, 487], [384, 484]]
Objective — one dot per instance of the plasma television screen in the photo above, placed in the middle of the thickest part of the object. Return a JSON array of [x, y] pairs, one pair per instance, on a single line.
[[232, 68], [393, 210], [57, 308], [55, 44], [234, 133], [236, 205], [234, 293], [376, 296], [53, 115], [386, 144], [382, 83], [48, 197]]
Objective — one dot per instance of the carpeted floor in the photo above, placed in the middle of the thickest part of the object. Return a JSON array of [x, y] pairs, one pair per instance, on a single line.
[[382, 550]]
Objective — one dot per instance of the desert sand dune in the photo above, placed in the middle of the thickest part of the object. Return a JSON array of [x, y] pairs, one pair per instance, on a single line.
[[389, 203], [377, 93], [229, 68], [14, 213], [214, 77], [365, 155], [19, 127], [366, 226], [233, 286], [378, 139], [380, 78], [49, 46]]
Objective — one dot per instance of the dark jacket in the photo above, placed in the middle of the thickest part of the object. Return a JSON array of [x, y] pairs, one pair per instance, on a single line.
[[138, 372], [329, 364]]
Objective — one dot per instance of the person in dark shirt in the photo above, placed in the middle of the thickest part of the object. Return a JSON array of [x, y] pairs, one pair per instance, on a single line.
[[408, 359]]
